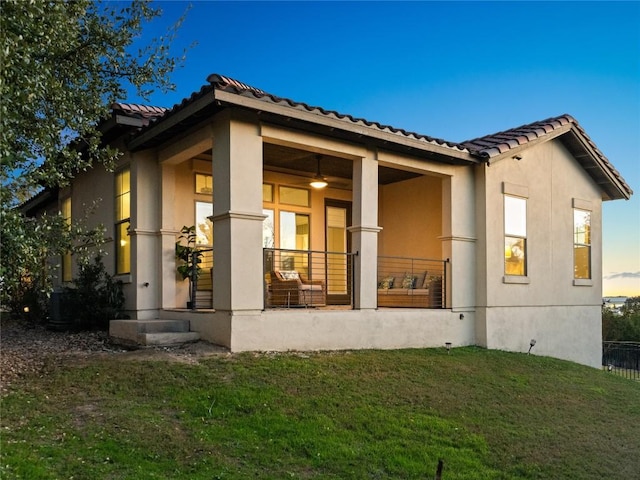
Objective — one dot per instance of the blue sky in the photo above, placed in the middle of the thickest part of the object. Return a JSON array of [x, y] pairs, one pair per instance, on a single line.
[[454, 70]]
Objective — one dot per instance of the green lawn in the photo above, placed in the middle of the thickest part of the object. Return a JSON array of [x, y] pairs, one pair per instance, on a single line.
[[347, 415]]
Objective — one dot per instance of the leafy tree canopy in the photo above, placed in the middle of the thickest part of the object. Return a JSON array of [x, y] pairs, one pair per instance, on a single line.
[[62, 63], [623, 326]]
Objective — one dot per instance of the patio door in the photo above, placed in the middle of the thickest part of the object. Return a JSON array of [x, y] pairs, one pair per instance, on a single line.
[[338, 244]]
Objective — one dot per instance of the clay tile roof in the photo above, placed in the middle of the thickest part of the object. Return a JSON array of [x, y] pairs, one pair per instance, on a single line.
[[137, 110], [496, 144], [486, 147], [491, 146], [220, 82]]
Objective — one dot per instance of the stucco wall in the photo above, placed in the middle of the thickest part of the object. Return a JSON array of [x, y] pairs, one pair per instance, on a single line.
[[553, 178], [567, 332], [96, 185], [410, 215], [550, 179], [453, 211], [93, 191], [317, 201], [280, 330]]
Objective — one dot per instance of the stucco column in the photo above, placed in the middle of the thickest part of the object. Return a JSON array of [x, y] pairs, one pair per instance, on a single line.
[[364, 231], [146, 200], [168, 232], [459, 238], [237, 216]]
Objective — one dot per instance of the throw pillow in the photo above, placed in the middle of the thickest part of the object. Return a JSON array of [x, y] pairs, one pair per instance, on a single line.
[[431, 280], [386, 283], [289, 274], [408, 281]]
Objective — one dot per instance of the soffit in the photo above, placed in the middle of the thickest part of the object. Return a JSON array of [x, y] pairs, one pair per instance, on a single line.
[[339, 171]]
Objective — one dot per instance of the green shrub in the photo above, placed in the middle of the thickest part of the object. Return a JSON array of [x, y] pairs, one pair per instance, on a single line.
[[94, 299]]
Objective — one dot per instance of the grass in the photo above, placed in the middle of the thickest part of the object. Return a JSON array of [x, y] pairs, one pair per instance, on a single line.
[[349, 415]]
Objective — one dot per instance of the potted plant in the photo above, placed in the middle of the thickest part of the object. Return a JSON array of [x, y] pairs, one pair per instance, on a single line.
[[189, 258]]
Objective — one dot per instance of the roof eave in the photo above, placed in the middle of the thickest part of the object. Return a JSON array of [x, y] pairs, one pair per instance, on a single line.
[[335, 123], [491, 155], [611, 185], [224, 98], [173, 119], [40, 199]]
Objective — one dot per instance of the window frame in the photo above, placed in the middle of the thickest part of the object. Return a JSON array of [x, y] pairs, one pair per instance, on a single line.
[[587, 233], [66, 266], [272, 191], [513, 237], [294, 261], [290, 204], [122, 252], [209, 191], [197, 205]]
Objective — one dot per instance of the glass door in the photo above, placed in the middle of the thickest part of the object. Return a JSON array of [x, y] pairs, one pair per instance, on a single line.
[[338, 273]]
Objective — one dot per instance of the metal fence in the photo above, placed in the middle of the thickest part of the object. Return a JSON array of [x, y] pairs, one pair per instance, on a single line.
[[412, 282], [622, 358], [306, 278]]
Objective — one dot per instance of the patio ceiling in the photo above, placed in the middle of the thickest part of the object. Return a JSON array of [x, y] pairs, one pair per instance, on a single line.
[[338, 171]]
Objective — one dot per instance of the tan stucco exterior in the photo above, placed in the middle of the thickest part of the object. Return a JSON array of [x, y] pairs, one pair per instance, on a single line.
[[563, 315], [449, 211]]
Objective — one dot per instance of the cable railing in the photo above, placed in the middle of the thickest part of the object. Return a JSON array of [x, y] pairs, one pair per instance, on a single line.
[[307, 278], [411, 282], [201, 285]]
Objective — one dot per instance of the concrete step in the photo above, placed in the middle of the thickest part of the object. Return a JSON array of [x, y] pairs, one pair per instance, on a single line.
[[167, 339], [151, 332]]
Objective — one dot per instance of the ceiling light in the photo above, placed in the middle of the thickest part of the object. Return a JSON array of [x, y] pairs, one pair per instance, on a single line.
[[318, 181]]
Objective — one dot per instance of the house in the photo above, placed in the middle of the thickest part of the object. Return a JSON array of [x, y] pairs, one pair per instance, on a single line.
[[409, 241]]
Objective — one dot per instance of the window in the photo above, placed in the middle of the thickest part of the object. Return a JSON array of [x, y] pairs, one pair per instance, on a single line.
[[294, 196], [268, 229], [294, 235], [65, 211], [515, 236], [581, 244], [267, 193], [204, 226], [123, 221], [204, 183], [336, 235]]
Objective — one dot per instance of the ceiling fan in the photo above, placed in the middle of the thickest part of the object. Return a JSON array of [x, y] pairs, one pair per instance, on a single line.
[[305, 171], [318, 181]]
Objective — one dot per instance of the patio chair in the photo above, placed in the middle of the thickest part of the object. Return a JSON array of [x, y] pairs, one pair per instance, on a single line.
[[290, 289]]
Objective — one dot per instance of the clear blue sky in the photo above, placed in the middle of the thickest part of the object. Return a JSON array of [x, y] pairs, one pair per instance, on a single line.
[[454, 70]]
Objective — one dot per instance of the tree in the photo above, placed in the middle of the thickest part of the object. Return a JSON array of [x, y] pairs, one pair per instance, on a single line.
[[62, 64], [28, 249], [624, 326], [631, 307]]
